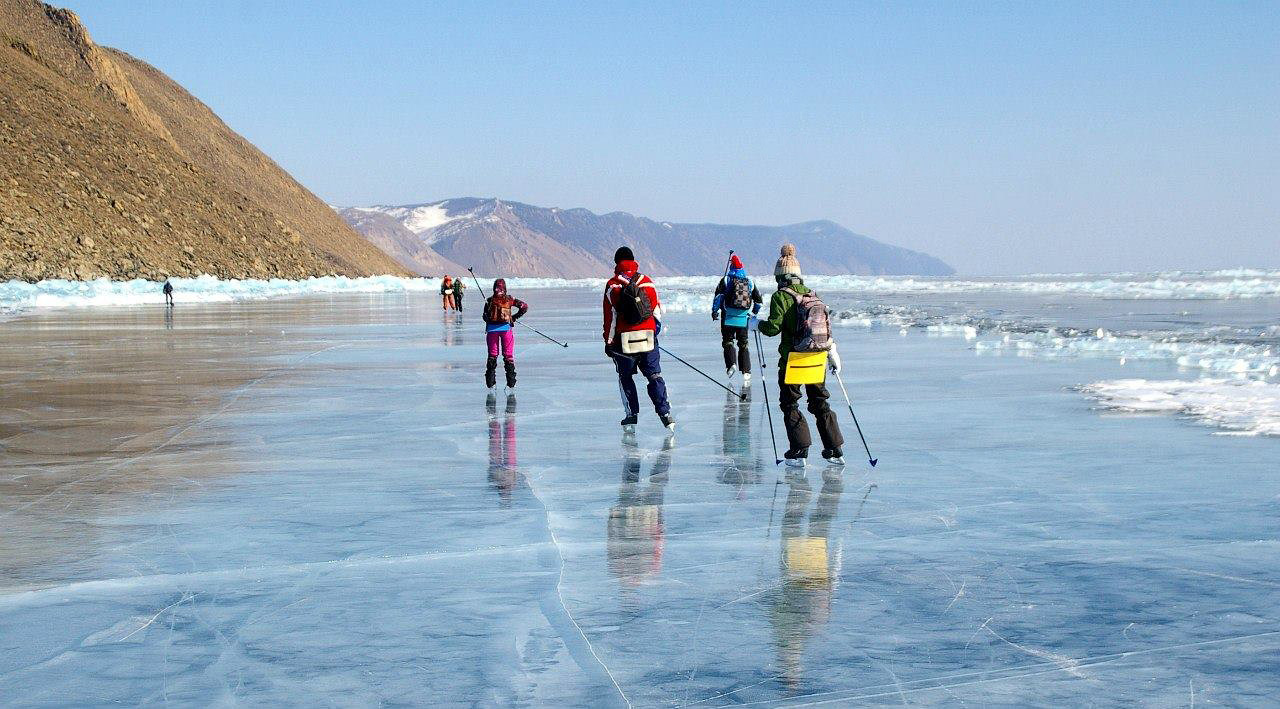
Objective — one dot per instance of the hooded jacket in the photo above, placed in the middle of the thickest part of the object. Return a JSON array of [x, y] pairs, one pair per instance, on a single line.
[[518, 307], [735, 317], [782, 313], [622, 273]]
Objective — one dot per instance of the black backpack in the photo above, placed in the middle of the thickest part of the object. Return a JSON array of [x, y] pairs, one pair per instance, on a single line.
[[633, 303], [738, 293]]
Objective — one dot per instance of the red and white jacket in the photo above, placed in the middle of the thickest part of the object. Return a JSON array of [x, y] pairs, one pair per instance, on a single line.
[[622, 273]]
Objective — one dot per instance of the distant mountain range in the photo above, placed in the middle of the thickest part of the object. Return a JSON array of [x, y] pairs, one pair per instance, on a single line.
[[499, 237]]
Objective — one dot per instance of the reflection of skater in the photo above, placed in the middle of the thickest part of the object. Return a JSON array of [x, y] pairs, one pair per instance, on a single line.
[[809, 567], [446, 293], [739, 299], [634, 535], [504, 473], [785, 319], [632, 323], [741, 467], [451, 333], [458, 287], [167, 289], [500, 335]]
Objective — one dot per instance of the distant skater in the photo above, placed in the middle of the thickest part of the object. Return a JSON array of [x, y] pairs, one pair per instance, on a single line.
[[739, 299], [789, 316], [446, 293], [168, 293], [632, 323], [458, 287], [501, 312]]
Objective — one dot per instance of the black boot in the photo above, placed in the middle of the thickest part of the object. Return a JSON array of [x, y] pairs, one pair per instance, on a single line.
[[491, 372], [510, 364]]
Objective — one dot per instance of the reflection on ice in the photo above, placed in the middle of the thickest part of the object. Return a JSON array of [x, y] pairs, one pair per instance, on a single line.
[[634, 534], [504, 470], [809, 568], [741, 466]]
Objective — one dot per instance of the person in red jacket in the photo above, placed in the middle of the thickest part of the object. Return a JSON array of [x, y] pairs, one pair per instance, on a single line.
[[632, 322]]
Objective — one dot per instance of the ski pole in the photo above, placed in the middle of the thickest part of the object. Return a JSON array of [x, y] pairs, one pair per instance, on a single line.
[[562, 344], [768, 411], [724, 276], [870, 460], [741, 396], [517, 322]]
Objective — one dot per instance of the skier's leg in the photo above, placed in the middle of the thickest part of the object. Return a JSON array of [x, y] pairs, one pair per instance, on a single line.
[[651, 368], [509, 355], [726, 343], [824, 417], [798, 440], [626, 367], [744, 353], [491, 364]]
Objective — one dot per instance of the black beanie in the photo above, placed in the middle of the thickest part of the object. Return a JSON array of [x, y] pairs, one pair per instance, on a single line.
[[623, 254]]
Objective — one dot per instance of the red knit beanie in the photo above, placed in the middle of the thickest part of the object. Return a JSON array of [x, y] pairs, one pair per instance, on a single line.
[[735, 262]]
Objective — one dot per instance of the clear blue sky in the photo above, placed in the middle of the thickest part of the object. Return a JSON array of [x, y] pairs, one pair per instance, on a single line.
[[1002, 137]]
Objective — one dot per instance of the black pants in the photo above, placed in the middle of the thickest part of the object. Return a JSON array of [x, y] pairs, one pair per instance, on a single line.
[[798, 440], [729, 334]]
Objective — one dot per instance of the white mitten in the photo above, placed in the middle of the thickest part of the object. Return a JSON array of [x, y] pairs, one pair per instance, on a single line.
[[833, 359]]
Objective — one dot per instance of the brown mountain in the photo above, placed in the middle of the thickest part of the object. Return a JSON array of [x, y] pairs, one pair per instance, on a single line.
[[510, 238], [109, 168]]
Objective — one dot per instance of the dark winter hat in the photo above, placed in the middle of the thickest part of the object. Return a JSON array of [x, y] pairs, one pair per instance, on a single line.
[[500, 286], [623, 254]]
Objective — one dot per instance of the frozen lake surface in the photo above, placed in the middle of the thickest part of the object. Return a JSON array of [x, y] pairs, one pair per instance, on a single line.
[[313, 502]]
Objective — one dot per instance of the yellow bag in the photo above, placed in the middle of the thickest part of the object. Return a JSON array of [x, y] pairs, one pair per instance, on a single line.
[[806, 368]]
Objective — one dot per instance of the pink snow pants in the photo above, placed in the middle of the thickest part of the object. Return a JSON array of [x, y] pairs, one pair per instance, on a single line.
[[507, 340]]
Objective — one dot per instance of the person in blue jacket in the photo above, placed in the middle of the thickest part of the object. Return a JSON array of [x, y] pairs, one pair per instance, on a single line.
[[739, 299]]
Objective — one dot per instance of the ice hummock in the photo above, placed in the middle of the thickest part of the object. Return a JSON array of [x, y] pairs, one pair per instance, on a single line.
[[1241, 406]]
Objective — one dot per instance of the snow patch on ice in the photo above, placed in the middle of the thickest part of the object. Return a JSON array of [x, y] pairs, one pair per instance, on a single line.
[[1243, 407], [1218, 358]]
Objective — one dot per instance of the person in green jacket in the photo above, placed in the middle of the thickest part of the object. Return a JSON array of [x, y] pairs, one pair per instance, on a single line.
[[782, 321], [458, 286]]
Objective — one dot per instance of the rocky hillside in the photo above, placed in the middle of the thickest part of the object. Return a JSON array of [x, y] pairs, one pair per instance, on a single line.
[[109, 168], [510, 238]]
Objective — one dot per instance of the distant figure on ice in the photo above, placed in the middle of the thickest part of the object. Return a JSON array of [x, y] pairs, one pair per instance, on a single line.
[[499, 321], [167, 288], [796, 313], [632, 323], [739, 299], [446, 293], [458, 285]]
